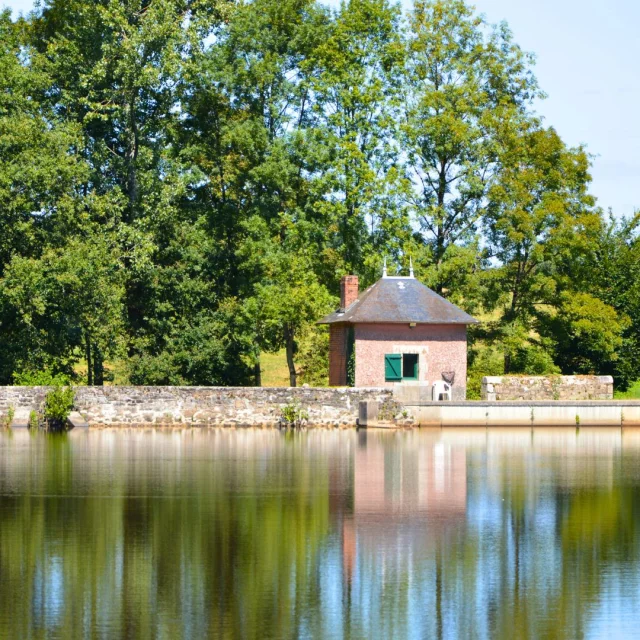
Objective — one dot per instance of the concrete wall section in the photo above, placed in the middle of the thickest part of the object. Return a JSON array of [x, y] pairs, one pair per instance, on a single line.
[[527, 414], [631, 415], [440, 348], [547, 388], [203, 406]]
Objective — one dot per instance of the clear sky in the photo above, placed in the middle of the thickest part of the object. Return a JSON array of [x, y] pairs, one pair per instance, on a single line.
[[588, 54]]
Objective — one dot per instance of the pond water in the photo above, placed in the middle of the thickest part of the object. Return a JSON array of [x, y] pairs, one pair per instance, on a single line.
[[322, 534]]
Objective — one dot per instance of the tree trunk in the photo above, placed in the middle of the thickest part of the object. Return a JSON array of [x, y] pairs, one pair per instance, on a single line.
[[98, 367], [510, 317], [290, 346], [257, 372], [440, 238], [132, 158], [87, 350]]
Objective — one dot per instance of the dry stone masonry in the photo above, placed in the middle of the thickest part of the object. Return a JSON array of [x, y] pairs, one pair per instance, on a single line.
[[529, 388], [203, 406]]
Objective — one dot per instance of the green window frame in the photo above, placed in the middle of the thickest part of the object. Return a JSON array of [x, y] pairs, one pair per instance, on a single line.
[[397, 367], [410, 366]]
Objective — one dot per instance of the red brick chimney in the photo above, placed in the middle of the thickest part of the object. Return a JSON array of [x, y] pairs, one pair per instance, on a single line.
[[348, 291]]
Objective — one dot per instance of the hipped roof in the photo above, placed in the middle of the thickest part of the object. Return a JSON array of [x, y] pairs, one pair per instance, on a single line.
[[400, 300]]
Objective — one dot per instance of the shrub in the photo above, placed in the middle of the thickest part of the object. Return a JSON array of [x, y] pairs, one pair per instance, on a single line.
[[351, 368], [57, 407], [293, 415], [527, 358], [34, 421], [488, 361], [43, 378], [11, 412], [313, 357]]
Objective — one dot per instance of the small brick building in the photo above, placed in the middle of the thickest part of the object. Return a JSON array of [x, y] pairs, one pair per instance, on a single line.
[[400, 332]]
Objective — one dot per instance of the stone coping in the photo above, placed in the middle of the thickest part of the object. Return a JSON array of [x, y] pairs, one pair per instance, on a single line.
[[524, 376], [526, 403], [202, 387]]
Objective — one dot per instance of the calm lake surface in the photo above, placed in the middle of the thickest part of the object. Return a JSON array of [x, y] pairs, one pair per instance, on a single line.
[[322, 534]]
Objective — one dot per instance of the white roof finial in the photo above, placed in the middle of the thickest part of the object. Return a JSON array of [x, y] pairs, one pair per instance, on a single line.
[[410, 267], [384, 268]]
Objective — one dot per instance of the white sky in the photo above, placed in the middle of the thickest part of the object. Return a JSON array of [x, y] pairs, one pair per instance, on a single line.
[[588, 54]]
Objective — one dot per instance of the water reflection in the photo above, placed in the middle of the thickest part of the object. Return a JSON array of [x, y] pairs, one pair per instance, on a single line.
[[324, 534]]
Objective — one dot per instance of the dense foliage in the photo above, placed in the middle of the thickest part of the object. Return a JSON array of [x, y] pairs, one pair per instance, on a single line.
[[183, 183]]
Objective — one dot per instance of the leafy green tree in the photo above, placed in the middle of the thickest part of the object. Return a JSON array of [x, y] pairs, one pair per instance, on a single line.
[[116, 66], [247, 107], [467, 87], [287, 300], [40, 170], [586, 331], [42, 202], [540, 223], [286, 308], [540, 216], [207, 349], [355, 81], [65, 304], [614, 271], [117, 69]]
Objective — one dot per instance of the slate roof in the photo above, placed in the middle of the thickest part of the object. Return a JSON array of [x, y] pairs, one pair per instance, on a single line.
[[400, 300]]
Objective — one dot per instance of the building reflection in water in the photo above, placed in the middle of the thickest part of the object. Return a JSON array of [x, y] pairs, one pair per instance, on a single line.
[[405, 497]]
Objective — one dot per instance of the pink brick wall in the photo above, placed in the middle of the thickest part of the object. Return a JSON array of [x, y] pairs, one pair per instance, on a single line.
[[440, 348], [338, 338], [348, 291]]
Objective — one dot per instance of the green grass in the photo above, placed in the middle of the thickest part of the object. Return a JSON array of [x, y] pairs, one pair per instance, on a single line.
[[116, 369], [632, 393], [275, 372]]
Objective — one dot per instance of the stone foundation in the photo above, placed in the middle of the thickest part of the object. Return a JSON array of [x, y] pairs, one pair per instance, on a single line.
[[203, 406], [531, 388]]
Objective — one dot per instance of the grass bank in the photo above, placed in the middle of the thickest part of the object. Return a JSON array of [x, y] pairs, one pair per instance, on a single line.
[[632, 393]]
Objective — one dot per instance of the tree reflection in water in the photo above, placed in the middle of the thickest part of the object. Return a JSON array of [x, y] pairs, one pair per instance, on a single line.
[[327, 534]]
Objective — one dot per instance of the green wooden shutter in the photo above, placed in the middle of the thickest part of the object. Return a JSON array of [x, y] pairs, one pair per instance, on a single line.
[[393, 367]]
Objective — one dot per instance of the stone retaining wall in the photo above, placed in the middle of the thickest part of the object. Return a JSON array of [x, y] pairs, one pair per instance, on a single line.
[[547, 388], [203, 406]]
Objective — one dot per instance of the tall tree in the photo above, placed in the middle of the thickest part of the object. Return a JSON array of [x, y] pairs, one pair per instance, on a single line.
[[41, 197], [248, 107], [116, 69], [288, 298], [65, 303], [614, 273], [40, 169], [467, 86], [540, 224], [355, 81]]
